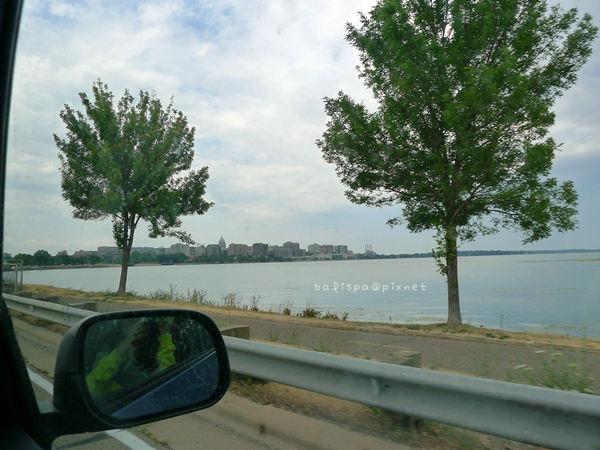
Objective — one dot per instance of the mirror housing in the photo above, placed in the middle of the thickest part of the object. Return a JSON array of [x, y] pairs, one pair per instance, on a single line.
[[194, 372]]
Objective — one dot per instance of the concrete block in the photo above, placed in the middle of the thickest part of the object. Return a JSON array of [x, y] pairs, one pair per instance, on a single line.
[[236, 331], [88, 306], [403, 358]]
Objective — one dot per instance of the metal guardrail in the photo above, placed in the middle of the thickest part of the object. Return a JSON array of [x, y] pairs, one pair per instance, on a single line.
[[540, 416], [529, 414], [52, 312]]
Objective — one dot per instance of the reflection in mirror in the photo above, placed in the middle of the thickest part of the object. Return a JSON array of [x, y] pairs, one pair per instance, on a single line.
[[141, 366]]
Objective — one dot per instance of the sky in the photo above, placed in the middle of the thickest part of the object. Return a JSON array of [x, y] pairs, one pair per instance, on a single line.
[[251, 78]]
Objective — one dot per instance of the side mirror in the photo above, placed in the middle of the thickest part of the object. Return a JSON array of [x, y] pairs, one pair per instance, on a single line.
[[123, 369]]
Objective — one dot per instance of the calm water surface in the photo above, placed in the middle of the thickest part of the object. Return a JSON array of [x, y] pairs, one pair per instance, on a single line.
[[552, 292]]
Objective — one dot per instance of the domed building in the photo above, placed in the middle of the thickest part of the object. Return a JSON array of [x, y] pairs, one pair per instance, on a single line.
[[222, 245]]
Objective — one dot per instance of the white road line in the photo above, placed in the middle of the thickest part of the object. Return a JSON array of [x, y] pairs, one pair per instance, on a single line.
[[123, 436], [41, 382], [129, 439]]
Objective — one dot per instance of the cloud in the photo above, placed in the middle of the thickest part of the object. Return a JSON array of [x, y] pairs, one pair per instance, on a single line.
[[251, 77]]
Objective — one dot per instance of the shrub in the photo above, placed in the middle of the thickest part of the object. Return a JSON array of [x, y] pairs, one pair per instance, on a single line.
[[555, 373]]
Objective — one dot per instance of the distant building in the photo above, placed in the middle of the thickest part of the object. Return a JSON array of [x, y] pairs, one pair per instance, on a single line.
[[179, 248], [237, 249], [199, 250], [144, 250], [213, 250], [294, 246], [314, 248], [326, 248], [108, 253], [260, 249], [280, 252], [62, 253], [222, 245], [84, 253], [340, 249]]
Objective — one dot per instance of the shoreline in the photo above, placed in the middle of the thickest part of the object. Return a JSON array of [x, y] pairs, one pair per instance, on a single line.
[[461, 254], [464, 332]]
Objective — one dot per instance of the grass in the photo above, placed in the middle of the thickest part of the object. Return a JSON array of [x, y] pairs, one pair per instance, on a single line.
[[146, 432], [272, 335], [283, 313], [368, 420], [50, 326], [294, 337], [326, 346], [195, 296], [431, 435], [309, 312], [555, 372]]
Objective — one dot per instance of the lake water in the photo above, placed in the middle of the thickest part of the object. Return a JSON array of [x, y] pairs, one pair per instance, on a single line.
[[549, 292]]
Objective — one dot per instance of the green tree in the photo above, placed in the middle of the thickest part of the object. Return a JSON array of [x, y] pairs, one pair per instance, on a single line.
[[464, 91], [94, 260], [135, 257], [42, 258], [26, 258], [125, 161]]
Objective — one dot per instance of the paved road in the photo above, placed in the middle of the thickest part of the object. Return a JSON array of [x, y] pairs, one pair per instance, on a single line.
[[234, 422], [488, 359]]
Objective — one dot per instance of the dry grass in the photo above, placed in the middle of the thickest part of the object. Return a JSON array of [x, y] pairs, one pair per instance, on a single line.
[[50, 326], [354, 416], [442, 330], [371, 421]]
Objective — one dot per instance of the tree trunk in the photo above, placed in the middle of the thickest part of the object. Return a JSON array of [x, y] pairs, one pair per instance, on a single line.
[[128, 232], [124, 267], [454, 317]]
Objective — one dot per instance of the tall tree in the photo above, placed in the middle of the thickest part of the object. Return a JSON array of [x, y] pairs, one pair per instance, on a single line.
[[124, 161], [465, 90], [42, 258]]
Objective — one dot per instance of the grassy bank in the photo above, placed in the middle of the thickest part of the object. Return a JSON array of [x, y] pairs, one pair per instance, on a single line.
[[552, 370], [233, 306]]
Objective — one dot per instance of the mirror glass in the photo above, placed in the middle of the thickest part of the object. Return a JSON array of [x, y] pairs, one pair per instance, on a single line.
[[146, 365]]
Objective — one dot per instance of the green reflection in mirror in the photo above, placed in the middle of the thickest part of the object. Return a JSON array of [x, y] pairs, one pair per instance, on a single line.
[[134, 367]]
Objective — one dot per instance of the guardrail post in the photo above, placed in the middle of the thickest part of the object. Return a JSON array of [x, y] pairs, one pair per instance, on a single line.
[[403, 358]]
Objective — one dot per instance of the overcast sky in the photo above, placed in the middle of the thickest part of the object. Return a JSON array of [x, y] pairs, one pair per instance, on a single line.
[[251, 77]]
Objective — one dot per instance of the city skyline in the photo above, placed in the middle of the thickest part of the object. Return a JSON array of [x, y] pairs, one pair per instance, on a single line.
[[255, 95], [224, 248]]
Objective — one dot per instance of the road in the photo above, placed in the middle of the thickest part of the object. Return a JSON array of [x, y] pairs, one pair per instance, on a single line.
[[477, 357], [487, 359], [234, 422]]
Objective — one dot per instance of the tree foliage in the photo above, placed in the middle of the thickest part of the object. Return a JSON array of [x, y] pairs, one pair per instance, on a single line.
[[460, 137], [43, 258], [125, 161]]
